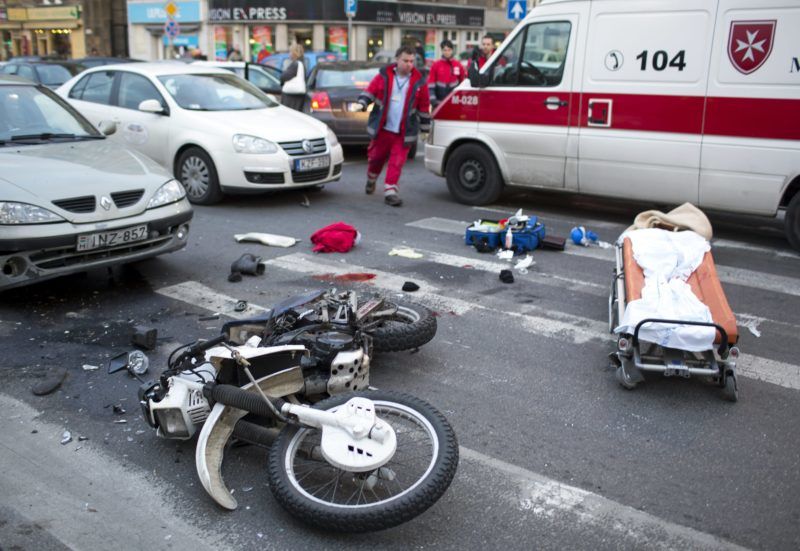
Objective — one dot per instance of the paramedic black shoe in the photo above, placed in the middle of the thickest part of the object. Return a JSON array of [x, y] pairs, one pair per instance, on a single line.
[[393, 200], [370, 187]]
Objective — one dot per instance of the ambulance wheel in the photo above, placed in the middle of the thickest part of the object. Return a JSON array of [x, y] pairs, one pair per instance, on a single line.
[[473, 177], [792, 222], [730, 391]]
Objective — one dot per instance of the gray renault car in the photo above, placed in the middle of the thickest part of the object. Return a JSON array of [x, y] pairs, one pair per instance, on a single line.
[[71, 200]]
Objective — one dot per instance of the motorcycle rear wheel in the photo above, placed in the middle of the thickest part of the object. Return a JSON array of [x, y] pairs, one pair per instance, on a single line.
[[327, 497], [412, 326]]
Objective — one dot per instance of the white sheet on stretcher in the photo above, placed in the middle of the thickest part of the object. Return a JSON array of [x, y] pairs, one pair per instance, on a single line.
[[668, 259]]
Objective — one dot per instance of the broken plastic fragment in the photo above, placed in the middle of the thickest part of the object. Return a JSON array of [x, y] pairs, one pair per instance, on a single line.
[[118, 409], [522, 265], [88, 367], [120, 421], [66, 437], [405, 252], [506, 254], [269, 239]]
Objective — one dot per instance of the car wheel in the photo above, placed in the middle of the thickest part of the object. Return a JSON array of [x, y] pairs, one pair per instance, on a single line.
[[196, 171], [473, 177]]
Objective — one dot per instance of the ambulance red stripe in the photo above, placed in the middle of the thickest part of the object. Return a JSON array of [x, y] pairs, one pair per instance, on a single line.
[[735, 117]]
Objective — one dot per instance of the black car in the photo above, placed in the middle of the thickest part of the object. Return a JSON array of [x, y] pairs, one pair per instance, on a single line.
[[48, 73], [97, 61], [332, 97]]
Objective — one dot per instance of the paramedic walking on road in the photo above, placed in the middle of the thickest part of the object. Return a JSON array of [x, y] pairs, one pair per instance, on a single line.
[[401, 112], [445, 74]]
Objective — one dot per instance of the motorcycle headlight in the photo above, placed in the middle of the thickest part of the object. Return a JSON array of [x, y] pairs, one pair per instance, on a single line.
[[22, 213], [172, 423], [332, 139], [242, 143], [170, 192]]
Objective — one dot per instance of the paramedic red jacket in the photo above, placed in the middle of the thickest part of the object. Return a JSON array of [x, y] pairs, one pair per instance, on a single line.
[[416, 111], [445, 75]]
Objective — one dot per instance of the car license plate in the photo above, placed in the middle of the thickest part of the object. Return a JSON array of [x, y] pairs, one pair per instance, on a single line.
[[312, 163], [91, 241]]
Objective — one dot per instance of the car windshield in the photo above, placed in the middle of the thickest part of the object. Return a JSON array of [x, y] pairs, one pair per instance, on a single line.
[[353, 78], [53, 75], [215, 92], [32, 115]]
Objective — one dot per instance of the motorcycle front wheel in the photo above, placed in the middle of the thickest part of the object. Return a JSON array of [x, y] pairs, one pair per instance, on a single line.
[[327, 497], [410, 326]]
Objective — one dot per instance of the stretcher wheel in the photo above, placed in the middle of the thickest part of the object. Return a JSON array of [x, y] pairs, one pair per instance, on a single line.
[[624, 379], [730, 391]]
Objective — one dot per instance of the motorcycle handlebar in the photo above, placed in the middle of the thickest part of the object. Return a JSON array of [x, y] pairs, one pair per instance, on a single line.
[[202, 346]]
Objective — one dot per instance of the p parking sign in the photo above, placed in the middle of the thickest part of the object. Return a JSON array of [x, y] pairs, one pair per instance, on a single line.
[[350, 7]]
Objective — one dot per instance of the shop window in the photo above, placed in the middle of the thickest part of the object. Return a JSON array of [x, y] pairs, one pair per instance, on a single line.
[[261, 45], [336, 41], [301, 35]]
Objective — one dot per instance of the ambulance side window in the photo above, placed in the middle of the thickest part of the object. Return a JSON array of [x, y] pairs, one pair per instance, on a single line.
[[536, 57]]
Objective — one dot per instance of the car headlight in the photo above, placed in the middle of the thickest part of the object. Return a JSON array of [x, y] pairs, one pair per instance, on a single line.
[[22, 213], [170, 192], [332, 139], [243, 143]]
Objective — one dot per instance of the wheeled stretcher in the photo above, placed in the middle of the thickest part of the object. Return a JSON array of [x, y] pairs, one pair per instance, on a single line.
[[635, 356]]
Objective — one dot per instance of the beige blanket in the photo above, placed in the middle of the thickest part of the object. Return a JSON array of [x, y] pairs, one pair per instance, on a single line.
[[685, 217]]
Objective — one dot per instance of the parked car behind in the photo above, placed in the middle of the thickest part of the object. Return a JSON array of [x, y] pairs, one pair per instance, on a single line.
[[266, 78], [217, 132], [97, 61], [310, 60], [71, 200], [49, 73]]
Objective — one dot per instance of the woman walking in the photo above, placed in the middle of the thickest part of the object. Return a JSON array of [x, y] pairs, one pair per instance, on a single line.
[[293, 80]]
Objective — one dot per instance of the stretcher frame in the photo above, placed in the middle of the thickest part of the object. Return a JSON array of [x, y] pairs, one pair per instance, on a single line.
[[634, 356]]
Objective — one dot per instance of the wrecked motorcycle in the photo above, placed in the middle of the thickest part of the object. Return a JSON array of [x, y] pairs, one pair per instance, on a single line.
[[342, 457]]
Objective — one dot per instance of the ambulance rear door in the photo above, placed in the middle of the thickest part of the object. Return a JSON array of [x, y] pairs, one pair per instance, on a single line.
[[642, 98], [525, 109]]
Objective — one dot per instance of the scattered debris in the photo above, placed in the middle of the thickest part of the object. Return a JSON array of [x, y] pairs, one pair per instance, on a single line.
[[241, 306], [72, 315], [305, 202], [89, 509], [523, 265], [120, 421], [335, 238], [354, 276], [119, 410], [410, 287], [405, 252], [34, 431], [582, 236], [247, 489], [506, 276], [268, 239], [604, 244], [211, 317], [505, 255], [52, 380], [247, 264], [66, 437], [83, 438], [144, 337], [89, 367]]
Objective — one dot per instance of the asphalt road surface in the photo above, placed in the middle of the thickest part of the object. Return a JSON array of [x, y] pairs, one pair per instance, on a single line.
[[554, 453]]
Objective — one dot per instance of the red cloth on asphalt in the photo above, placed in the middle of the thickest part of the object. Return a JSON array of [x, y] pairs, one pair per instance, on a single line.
[[335, 238]]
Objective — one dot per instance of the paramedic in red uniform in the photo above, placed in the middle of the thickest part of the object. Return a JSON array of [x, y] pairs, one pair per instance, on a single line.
[[400, 113], [445, 74]]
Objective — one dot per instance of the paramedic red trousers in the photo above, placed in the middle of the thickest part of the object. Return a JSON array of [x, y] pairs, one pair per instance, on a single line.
[[387, 145]]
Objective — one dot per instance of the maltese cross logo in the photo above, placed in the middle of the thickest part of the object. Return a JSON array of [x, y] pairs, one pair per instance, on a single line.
[[750, 44]]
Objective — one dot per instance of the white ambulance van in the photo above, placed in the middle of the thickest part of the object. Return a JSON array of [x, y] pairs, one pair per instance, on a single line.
[[657, 100]]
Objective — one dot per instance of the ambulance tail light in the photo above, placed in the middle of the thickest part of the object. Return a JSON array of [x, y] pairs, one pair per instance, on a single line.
[[320, 101]]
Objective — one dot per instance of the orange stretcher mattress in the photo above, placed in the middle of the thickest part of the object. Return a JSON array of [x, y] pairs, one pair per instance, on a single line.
[[705, 286]]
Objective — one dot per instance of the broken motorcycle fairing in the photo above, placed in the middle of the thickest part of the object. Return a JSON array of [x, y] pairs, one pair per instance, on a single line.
[[341, 456]]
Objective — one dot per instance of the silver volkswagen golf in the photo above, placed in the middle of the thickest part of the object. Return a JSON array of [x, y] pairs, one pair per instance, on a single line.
[[71, 200]]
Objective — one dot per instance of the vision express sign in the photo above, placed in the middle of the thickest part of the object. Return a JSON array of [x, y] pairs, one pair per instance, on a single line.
[[327, 10]]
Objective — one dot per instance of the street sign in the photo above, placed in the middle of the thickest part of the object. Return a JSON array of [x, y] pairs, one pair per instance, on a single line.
[[350, 7], [517, 9], [172, 28], [172, 9]]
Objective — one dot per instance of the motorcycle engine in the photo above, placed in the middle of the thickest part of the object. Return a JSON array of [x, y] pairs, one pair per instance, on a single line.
[[338, 363], [180, 409]]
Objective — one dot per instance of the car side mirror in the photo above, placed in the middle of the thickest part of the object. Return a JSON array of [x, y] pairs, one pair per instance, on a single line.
[[476, 79], [151, 106], [107, 127]]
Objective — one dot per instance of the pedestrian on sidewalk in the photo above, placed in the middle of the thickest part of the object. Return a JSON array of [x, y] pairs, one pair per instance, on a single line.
[[445, 74], [401, 112]]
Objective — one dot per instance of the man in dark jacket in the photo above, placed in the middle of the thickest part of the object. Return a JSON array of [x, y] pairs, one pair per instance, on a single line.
[[400, 113], [445, 75]]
